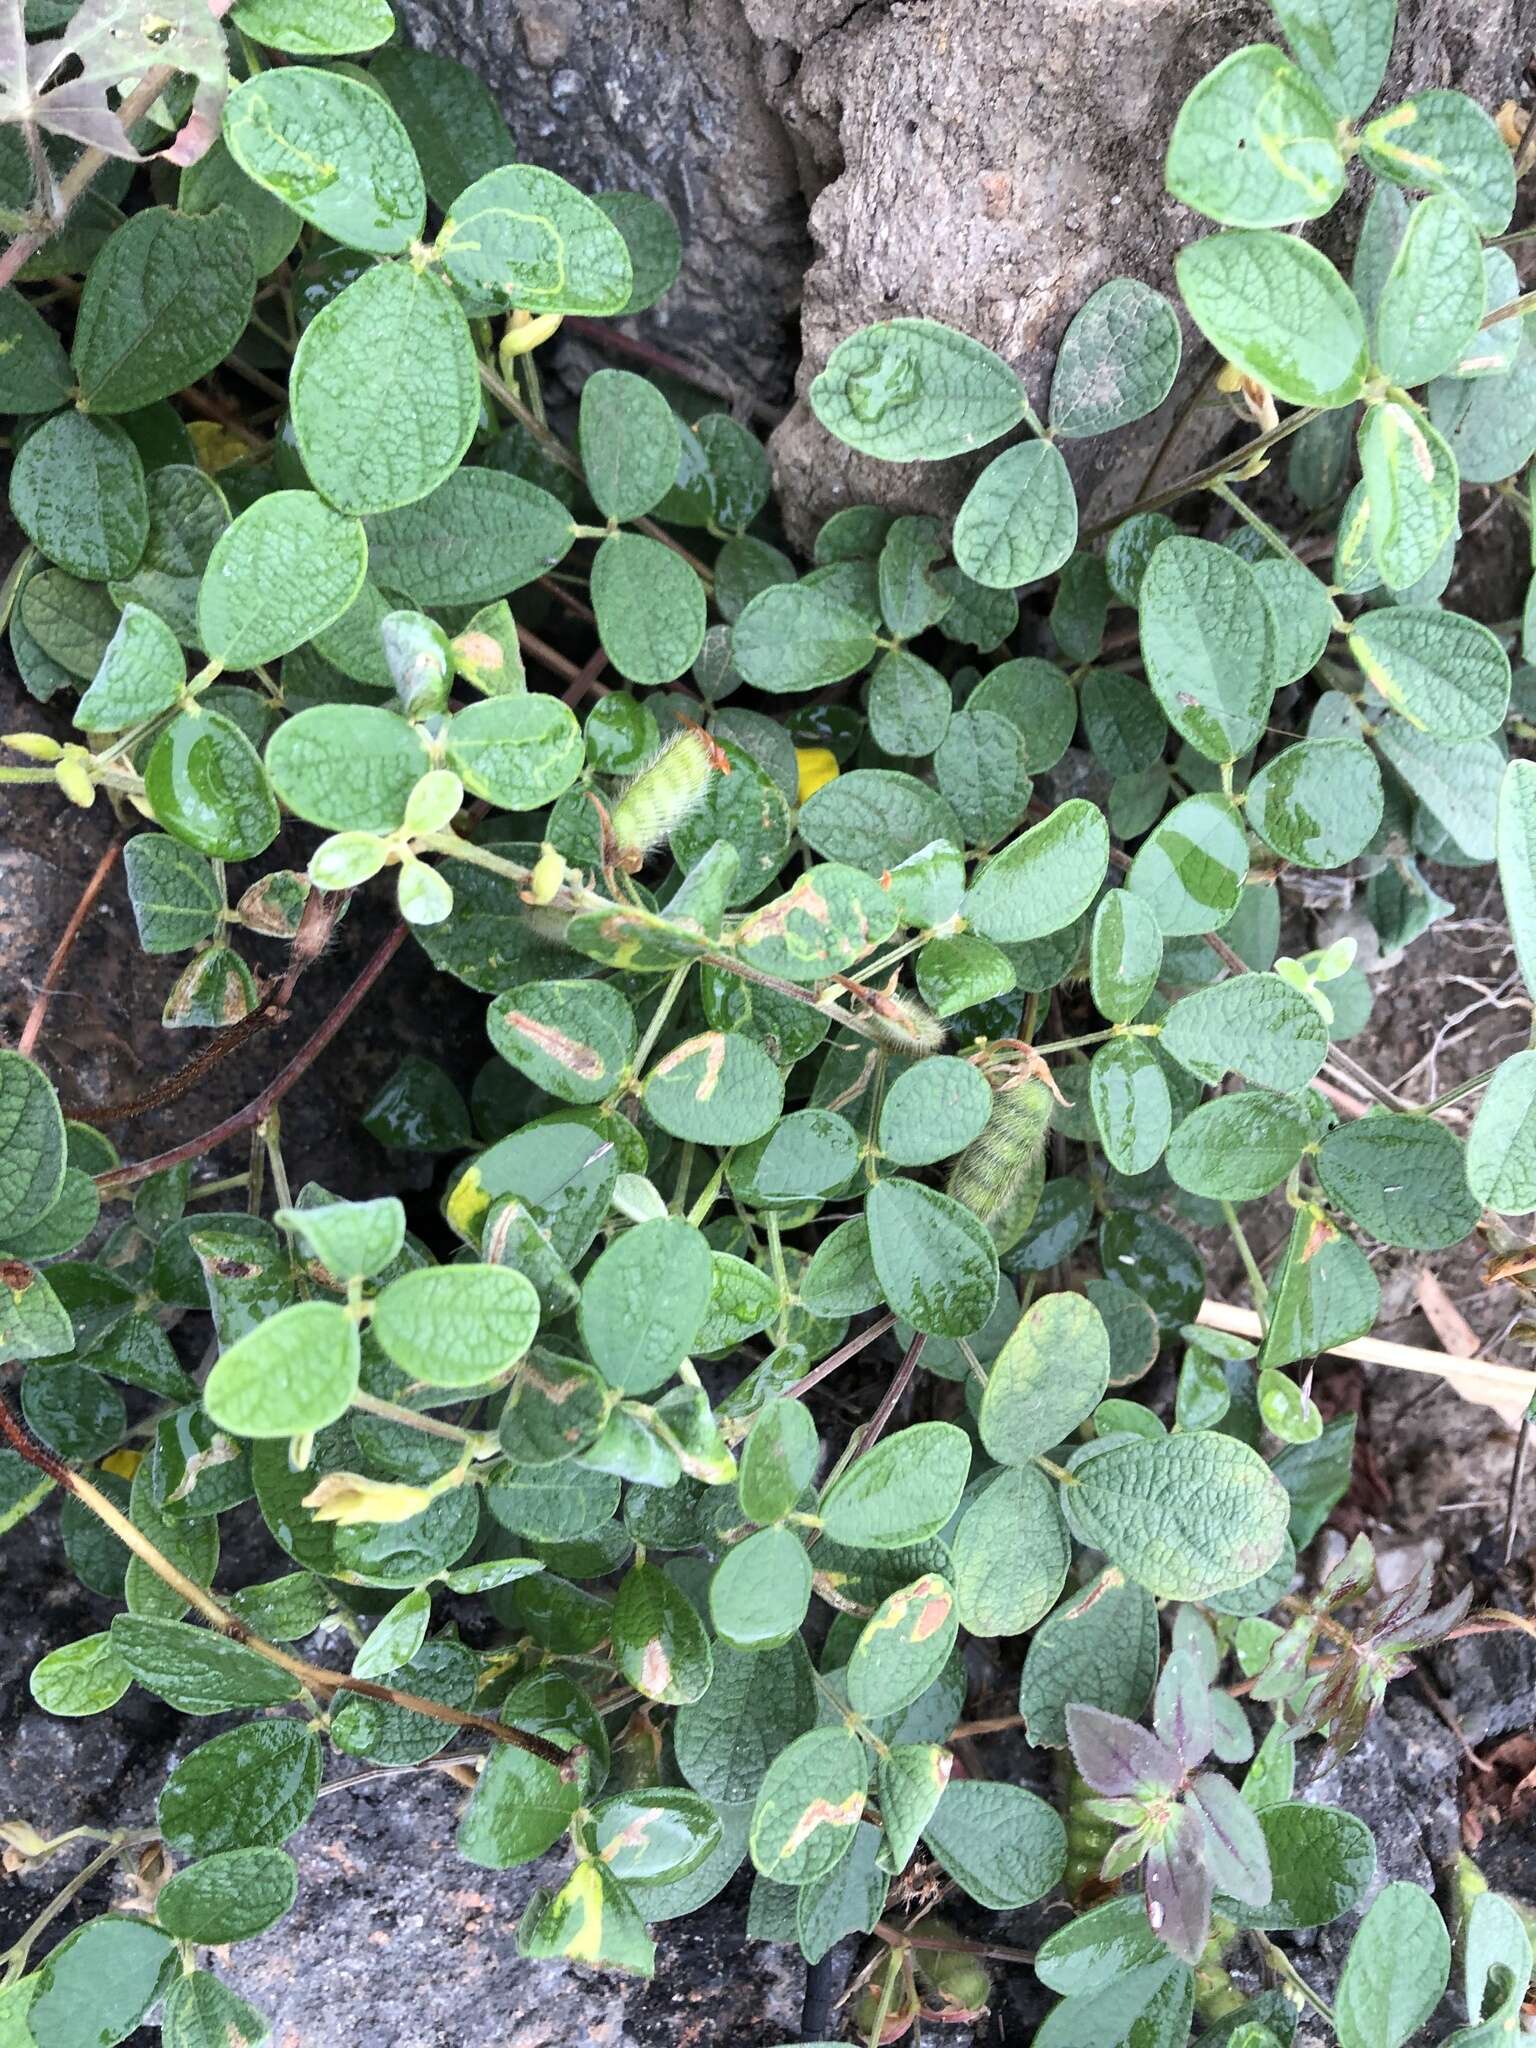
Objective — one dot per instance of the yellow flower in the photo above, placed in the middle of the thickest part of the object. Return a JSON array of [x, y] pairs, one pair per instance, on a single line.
[[817, 767], [215, 446], [347, 1497], [123, 1463]]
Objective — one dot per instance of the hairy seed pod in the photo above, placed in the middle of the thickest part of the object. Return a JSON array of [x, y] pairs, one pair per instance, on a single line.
[[903, 1024], [1088, 1841], [999, 1175], [668, 789]]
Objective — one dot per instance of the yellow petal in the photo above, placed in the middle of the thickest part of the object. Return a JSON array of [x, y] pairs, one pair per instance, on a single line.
[[817, 767]]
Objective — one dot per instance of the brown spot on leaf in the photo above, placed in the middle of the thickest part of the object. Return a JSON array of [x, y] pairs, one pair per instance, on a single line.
[[569, 1052]]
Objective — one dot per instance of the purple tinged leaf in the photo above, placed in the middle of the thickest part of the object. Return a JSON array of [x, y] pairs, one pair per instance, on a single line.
[[1178, 1885], [1181, 1711], [1351, 1577], [1116, 1757], [1434, 1625], [1288, 1660], [1236, 1853]]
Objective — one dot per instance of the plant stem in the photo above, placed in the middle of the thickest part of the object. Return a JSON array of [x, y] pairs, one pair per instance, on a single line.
[[31, 1030], [1256, 1284], [15, 1957], [255, 1110], [870, 1435], [313, 1676], [840, 1357], [411, 1418], [1281, 1963], [659, 1016], [1214, 472], [1261, 527]]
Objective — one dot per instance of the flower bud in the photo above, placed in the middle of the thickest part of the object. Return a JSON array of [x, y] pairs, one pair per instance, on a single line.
[[33, 746], [74, 778], [524, 331]]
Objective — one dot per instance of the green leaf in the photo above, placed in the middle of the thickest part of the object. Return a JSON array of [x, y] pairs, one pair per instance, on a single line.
[[1255, 1025], [71, 622], [196, 1671], [35, 376], [1207, 645], [84, 1677], [293, 27], [454, 1326], [1343, 48], [1097, 1947], [1019, 519], [1278, 309], [1301, 616], [574, 1039], [954, 974], [295, 1372], [1319, 803], [1402, 1178], [187, 513], [650, 608], [479, 535], [518, 752], [332, 148], [1238, 1147], [449, 113], [902, 1492], [351, 1240], [658, 1639], [1496, 1961], [96, 1986], [1011, 1554], [830, 919], [799, 636], [207, 787], [1045, 879], [215, 181], [141, 674], [1125, 956], [878, 818], [164, 303], [591, 1919], [654, 1834], [932, 1110], [1051, 1373], [915, 391], [77, 492], [1501, 1149], [373, 442], [643, 1300], [1432, 298], [1413, 490], [757, 1703], [349, 767], [1444, 142], [1517, 861], [1324, 1294], [936, 1261], [808, 1806], [717, 1089], [519, 1808], [628, 443], [249, 1788], [1186, 1516], [903, 1647], [1323, 1860], [654, 245], [202, 2012], [1455, 781], [1117, 361], [911, 598], [778, 1460], [1035, 696], [1190, 869], [761, 1589], [909, 706], [1442, 671], [1099, 1648], [32, 1145], [811, 1154], [1255, 144], [1003, 1846], [284, 570], [520, 236], [1398, 1966], [1132, 1109]]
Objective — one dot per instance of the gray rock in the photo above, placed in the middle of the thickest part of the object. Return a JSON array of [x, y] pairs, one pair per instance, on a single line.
[[663, 97]]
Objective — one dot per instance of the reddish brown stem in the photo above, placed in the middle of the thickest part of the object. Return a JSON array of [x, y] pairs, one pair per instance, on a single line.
[[892, 1394], [840, 1357], [275, 1090], [31, 1030], [585, 683], [552, 659], [604, 335]]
